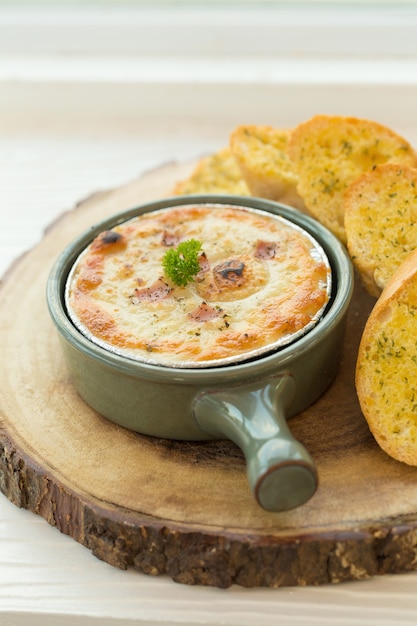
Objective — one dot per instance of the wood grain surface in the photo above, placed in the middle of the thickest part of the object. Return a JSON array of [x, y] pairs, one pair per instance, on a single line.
[[184, 508]]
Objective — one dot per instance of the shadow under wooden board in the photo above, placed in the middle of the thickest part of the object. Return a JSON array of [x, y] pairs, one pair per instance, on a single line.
[[178, 508]]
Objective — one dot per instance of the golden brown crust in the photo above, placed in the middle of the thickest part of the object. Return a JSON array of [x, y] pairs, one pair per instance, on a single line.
[[381, 222], [216, 173], [329, 152], [258, 283], [261, 153], [386, 368]]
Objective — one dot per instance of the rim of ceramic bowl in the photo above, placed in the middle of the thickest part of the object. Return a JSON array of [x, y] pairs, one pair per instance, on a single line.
[[342, 287]]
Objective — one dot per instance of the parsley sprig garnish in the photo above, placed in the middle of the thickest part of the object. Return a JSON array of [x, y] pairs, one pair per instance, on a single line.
[[181, 263]]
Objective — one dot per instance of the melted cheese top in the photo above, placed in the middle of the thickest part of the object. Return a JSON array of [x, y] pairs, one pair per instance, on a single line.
[[261, 281]]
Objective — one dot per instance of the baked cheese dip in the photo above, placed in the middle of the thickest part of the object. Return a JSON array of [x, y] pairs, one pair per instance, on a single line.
[[260, 282]]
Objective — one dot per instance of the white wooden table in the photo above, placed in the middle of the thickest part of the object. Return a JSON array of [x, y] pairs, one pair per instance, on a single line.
[[71, 124]]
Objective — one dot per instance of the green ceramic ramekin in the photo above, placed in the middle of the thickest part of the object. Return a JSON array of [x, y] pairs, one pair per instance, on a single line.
[[247, 402]]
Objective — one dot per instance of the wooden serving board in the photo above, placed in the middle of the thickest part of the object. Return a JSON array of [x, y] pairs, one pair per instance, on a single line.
[[184, 508]]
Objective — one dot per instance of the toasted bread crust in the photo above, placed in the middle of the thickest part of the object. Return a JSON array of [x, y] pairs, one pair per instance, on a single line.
[[261, 154], [381, 222], [216, 173], [329, 152], [386, 368]]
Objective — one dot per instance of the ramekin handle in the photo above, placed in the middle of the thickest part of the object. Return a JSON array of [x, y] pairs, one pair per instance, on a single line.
[[281, 472]]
